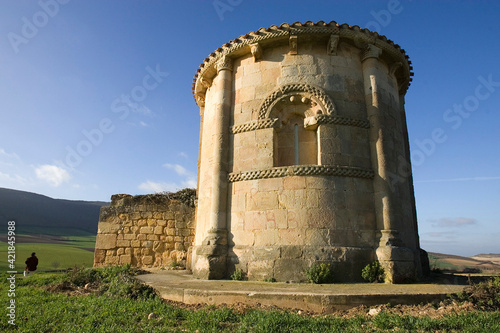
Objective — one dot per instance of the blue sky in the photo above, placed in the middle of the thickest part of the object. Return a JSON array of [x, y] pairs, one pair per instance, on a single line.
[[95, 98]]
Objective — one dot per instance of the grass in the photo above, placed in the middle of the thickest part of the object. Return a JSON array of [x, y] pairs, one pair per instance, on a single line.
[[118, 304], [53, 256]]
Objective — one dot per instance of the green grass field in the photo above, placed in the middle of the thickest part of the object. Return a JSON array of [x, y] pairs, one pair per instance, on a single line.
[[75, 252], [120, 304]]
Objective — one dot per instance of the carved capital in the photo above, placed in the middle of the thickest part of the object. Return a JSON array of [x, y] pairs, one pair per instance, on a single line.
[[256, 51], [224, 63], [371, 51], [333, 44], [293, 44]]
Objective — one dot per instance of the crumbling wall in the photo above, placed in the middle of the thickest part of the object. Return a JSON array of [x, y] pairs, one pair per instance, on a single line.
[[146, 231]]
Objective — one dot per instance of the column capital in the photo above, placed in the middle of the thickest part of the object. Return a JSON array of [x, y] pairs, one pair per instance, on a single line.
[[371, 51], [224, 63]]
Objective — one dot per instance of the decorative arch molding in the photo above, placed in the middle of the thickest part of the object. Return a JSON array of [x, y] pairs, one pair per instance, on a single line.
[[316, 94]]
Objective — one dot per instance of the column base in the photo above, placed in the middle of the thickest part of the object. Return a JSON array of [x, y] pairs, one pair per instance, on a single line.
[[399, 262], [209, 259]]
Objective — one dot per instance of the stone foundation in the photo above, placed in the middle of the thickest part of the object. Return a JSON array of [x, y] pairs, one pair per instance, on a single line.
[[145, 231]]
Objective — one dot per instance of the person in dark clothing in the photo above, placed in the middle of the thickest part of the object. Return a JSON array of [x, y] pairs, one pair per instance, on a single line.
[[31, 264]]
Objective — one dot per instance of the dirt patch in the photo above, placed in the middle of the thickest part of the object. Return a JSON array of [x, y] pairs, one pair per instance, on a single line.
[[435, 311]]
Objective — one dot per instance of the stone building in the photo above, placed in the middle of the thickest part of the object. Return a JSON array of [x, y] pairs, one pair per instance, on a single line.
[[304, 156]]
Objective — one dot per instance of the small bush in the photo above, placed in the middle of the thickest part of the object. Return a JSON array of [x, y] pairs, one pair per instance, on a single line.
[[320, 273], [373, 272], [237, 275], [116, 281], [484, 294]]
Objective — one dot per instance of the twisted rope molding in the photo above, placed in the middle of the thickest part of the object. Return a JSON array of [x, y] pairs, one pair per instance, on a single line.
[[302, 170], [273, 98], [254, 125], [322, 119]]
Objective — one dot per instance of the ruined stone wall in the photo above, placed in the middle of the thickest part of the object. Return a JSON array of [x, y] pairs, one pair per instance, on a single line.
[[145, 231]]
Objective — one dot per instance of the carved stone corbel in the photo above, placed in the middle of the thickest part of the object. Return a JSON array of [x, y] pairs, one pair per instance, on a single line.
[[256, 51], [205, 82], [293, 44], [200, 100], [333, 44], [394, 67]]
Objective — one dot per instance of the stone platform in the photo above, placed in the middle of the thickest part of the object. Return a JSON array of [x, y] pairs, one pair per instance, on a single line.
[[180, 286]]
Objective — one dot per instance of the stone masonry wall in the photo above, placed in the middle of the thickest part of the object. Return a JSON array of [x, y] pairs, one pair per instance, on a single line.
[[145, 231]]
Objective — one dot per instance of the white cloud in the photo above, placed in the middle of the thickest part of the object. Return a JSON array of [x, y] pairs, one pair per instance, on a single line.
[[183, 154], [150, 186], [52, 174], [12, 178], [179, 169], [454, 222], [188, 180], [8, 159], [143, 124]]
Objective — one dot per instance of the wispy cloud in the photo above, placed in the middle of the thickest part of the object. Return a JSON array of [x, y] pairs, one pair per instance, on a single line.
[[188, 179], [470, 179], [52, 174], [157, 187], [444, 234], [8, 159], [453, 222], [183, 154], [179, 169], [16, 179]]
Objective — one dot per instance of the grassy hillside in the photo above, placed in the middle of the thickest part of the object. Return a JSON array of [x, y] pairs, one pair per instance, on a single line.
[[55, 253], [479, 263], [35, 213]]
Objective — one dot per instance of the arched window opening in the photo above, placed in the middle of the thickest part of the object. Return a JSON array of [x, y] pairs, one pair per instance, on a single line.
[[295, 144]]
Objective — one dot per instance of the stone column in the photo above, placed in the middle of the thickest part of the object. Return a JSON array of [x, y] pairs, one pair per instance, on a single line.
[[211, 255], [392, 255]]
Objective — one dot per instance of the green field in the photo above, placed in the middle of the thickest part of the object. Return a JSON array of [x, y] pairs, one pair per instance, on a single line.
[[74, 252], [60, 302]]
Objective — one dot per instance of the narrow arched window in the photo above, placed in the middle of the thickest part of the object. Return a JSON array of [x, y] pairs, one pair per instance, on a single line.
[[295, 145]]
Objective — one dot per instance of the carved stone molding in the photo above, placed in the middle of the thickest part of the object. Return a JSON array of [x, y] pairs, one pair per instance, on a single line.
[[302, 170], [326, 103], [285, 30], [255, 125], [224, 63], [371, 52], [256, 51], [333, 44], [327, 119]]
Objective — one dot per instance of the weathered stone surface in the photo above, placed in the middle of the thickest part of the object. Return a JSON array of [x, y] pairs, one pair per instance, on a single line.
[[105, 241], [139, 242]]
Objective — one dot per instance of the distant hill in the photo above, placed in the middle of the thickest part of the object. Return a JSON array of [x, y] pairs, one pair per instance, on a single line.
[[39, 214], [480, 262]]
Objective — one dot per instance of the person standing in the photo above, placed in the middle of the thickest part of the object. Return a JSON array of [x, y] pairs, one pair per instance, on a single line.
[[31, 264]]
